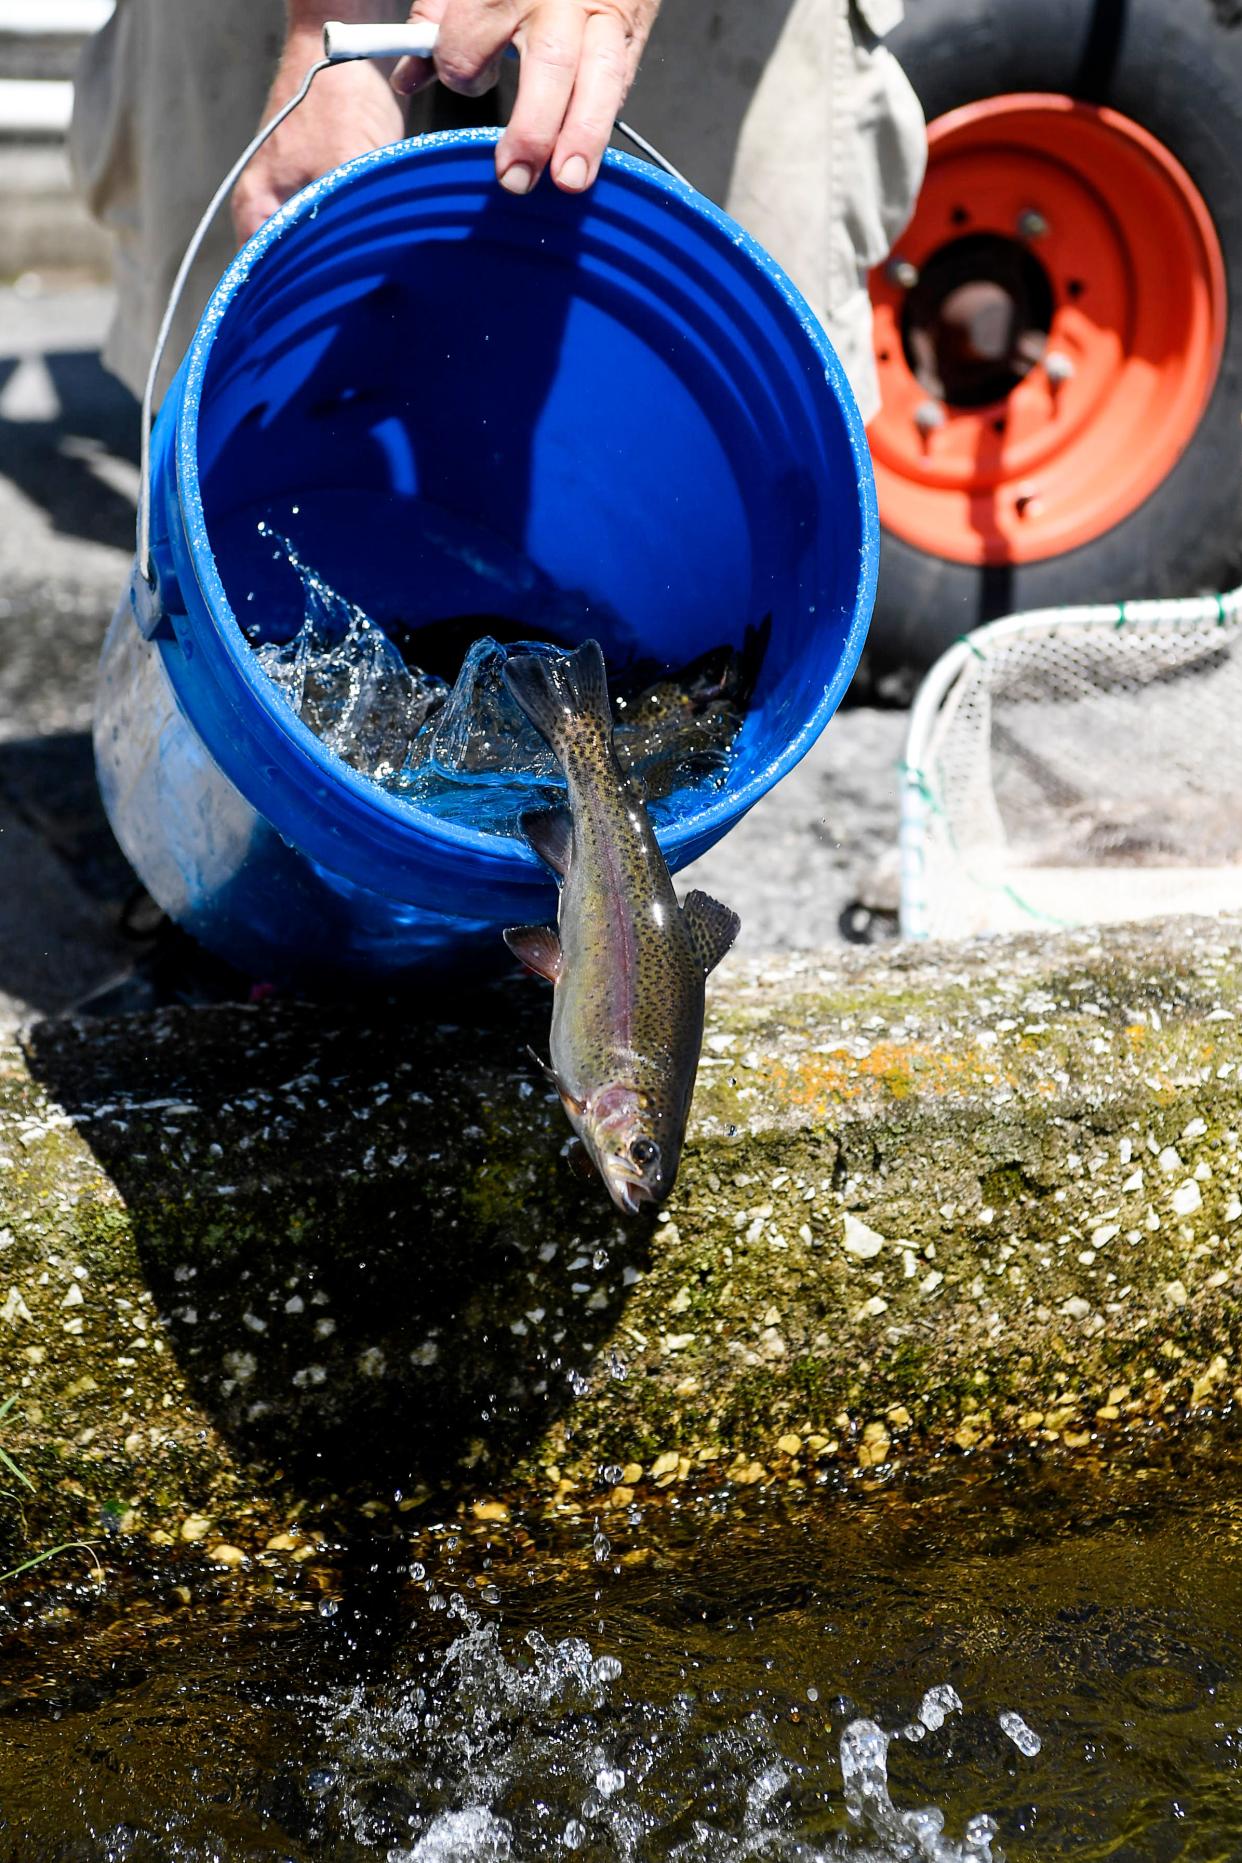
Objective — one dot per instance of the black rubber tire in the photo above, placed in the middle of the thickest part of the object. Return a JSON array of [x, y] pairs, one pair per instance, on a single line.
[[1175, 67]]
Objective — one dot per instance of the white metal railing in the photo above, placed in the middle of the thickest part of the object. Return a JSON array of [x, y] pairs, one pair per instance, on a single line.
[[49, 19], [42, 106], [35, 106]]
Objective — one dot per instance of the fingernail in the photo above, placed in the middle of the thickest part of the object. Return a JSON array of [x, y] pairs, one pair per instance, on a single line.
[[573, 174], [517, 179], [403, 77]]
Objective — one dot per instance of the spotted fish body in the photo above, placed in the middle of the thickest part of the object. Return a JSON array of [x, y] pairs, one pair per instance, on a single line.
[[628, 962]]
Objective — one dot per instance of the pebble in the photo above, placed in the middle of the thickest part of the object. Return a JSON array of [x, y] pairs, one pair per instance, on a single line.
[[1187, 1198], [860, 1240], [224, 1554], [874, 1446]]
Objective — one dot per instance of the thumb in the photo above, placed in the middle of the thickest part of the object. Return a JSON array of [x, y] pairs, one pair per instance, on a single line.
[[415, 74]]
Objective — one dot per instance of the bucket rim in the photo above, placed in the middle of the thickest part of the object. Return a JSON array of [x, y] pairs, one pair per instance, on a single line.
[[694, 831]]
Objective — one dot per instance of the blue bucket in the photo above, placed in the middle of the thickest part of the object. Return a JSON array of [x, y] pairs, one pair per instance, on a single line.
[[455, 402]]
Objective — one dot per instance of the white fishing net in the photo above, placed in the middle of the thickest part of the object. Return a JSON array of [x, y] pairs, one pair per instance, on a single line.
[[1077, 766]]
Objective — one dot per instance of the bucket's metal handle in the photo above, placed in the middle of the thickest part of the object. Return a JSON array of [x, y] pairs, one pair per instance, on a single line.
[[342, 42]]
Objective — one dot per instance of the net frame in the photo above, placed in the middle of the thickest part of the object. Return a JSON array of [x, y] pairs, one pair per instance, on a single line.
[[966, 856]]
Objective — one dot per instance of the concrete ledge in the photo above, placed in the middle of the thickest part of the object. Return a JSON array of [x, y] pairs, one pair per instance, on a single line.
[[934, 1201]]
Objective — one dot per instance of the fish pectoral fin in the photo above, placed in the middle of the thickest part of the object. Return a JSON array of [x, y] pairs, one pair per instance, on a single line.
[[712, 927], [568, 1100], [538, 947], [551, 834]]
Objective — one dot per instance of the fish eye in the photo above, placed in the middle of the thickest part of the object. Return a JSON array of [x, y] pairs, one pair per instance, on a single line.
[[645, 1151]]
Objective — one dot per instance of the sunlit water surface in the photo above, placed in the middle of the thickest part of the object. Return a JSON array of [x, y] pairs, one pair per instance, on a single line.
[[725, 1681]]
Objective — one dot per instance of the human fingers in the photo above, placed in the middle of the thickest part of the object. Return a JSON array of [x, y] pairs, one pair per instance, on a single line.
[[550, 44], [473, 35], [603, 78], [415, 74], [348, 112]]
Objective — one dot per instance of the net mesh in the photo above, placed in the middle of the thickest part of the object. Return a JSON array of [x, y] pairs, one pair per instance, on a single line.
[[1079, 771]]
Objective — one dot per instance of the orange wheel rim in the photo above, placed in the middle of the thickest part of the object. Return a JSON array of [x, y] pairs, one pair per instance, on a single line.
[[1047, 334]]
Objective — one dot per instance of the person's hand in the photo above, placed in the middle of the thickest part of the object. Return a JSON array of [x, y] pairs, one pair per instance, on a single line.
[[578, 57], [347, 111]]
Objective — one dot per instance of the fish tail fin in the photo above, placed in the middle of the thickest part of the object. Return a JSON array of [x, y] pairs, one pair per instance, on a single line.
[[556, 693]]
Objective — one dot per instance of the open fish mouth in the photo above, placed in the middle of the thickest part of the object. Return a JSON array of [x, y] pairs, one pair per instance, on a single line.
[[627, 1186]]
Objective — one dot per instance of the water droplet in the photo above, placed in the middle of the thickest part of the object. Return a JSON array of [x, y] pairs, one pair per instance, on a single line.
[[864, 1766], [977, 1838], [609, 1780], [1024, 1738], [939, 1702], [574, 1835]]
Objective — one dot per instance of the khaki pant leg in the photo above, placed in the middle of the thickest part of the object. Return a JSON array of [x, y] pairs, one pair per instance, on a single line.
[[167, 96], [793, 116]]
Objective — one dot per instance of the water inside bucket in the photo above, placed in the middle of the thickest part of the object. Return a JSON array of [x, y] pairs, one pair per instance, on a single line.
[[461, 746]]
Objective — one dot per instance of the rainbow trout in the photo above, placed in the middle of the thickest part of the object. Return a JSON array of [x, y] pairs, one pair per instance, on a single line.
[[628, 963]]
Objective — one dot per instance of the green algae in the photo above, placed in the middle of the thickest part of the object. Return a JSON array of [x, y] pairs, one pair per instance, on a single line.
[[316, 1255]]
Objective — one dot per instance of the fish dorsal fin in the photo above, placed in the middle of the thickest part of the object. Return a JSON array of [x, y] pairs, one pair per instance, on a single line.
[[538, 947], [712, 927], [551, 834]]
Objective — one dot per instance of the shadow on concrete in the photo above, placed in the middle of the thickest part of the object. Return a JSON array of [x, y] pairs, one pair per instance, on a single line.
[[49, 781], [377, 1266], [55, 461]]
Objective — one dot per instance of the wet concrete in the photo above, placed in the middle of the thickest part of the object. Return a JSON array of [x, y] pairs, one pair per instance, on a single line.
[[930, 1204]]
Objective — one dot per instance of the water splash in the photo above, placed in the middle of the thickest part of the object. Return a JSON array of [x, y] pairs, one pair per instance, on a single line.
[[908, 1835], [344, 678], [538, 1750], [468, 752]]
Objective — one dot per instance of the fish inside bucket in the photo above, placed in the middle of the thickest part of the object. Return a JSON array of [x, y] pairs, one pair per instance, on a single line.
[[421, 706]]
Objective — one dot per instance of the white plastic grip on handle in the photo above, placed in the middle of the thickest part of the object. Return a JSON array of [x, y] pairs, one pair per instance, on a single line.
[[342, 40]]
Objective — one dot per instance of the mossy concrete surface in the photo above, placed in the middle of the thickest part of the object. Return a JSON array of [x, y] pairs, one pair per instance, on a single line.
[[936, 1200]]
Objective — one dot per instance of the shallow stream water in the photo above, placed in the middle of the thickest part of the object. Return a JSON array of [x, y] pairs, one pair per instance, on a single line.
[[679, 1683]]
